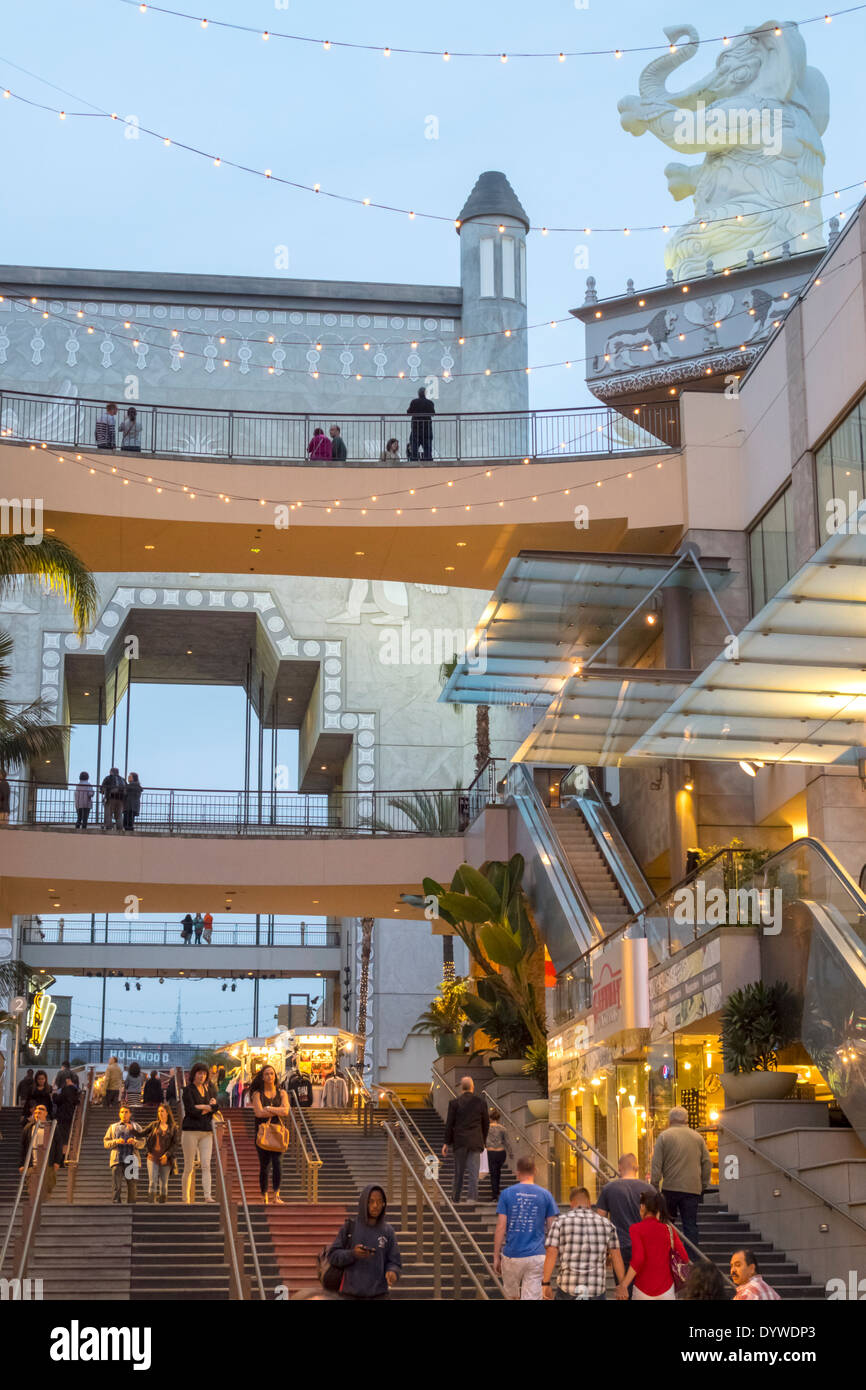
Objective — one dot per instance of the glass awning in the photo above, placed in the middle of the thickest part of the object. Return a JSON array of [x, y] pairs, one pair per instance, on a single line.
[[792, 687], [599, 715], [552, 611]]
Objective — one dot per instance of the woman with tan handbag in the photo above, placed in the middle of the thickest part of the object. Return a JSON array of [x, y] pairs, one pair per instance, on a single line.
[[271, 1107]]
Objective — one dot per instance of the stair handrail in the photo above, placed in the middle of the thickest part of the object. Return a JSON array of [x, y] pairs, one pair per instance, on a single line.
[[305, 1147], [76, 1135], [366, 1101], [582, 1148], [403, 1117], [441, 1227], [511, 1123], [21, 1253], [226, 1127], [507, 1119], [445, 1199], [238, 1278], [17, 1200], [791, 1175], [610, 840]]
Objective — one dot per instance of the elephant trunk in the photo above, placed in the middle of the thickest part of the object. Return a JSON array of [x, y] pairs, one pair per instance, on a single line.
[[652, 84]]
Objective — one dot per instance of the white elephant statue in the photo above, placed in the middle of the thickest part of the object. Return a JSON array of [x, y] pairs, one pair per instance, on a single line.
[[757, 118]]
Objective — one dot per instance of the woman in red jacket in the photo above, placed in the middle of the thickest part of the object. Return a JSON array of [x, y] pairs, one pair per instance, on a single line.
[[652, 1240]]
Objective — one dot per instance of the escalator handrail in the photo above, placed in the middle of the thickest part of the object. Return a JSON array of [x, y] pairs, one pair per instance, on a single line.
[[837, 869], [528, 793], [611, 842]]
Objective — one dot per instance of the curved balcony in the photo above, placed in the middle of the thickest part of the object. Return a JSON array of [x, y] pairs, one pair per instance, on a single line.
[[244, 436]]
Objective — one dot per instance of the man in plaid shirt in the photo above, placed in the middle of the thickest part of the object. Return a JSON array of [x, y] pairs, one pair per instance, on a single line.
[[744, 1273], [582, 1239]]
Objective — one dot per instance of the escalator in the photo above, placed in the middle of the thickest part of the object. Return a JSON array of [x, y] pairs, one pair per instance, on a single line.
[[581, 878], [821, 953]]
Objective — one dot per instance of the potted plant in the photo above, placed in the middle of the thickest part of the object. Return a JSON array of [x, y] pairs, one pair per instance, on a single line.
[[444, 1019], [758, 1021], [493, 1011], [535, 1065]]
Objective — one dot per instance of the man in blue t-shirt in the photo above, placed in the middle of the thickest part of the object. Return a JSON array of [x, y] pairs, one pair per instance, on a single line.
[[524, 1215]]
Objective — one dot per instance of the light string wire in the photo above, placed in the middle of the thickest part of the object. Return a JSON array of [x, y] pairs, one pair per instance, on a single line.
[[98, 113], [172, 485], [31, 302], [500, 55]]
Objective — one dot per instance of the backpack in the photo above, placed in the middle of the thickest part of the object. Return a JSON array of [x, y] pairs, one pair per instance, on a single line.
[[330, 1277]]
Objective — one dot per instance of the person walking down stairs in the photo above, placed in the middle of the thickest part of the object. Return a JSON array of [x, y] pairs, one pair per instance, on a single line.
[[161, 1144], [366, 1249], [199, 1108], [270, 1105], [124, 1139]]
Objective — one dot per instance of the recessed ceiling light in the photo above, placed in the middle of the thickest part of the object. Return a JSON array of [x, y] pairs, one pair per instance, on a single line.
[[289, 698], [87, 692], [255, 550], [189, 651], [460, 544], [448, 568], [150, 547], [324, 767], [359, 552]]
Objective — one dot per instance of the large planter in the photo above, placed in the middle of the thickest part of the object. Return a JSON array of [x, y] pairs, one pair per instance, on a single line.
[[508, 1066], [447, 1044], [539, 1109], [742, 1086]]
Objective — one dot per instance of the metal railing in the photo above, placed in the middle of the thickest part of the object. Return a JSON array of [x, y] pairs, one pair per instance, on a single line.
[[243, 436], [89, 930], [307, 1158], [583, 1149], [76, 1135], [236, 1180], [790, 1174], [362, 1099], [410, 1167], [35, 1171], [181, 811], [507, 1120]]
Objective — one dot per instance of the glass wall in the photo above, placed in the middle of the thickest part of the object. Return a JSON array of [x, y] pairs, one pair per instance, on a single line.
[[771, 550], [841, 468]]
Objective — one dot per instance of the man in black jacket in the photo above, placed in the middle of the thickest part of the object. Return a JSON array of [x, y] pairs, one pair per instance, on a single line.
[[466, 1129], [422, 411]]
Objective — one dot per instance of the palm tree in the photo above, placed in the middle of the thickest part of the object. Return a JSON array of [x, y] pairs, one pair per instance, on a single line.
[[482, 717], [27, 734], [364, 986], [54, 564]]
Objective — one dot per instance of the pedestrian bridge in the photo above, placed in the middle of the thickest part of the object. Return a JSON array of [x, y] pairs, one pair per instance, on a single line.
[[314, 856]]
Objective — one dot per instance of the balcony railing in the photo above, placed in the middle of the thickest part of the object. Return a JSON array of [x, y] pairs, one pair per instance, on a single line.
[[92, 930], [260, 814], [246, 436]]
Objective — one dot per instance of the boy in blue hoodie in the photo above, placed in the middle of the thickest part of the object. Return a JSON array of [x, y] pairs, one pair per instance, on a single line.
[[366, 1249]]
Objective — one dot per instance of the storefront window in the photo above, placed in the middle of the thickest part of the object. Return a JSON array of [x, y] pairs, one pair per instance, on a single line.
[[841, 468]]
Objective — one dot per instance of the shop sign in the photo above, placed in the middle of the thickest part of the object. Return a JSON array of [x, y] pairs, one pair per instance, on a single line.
[[688, 990], [39, 1019], [620, 988]]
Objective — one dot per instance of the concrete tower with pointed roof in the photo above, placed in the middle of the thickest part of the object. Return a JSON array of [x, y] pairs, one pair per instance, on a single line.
[[493, 229]]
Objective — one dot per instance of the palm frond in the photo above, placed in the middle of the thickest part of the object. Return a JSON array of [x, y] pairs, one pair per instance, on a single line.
[[56, 565], [27, 734]]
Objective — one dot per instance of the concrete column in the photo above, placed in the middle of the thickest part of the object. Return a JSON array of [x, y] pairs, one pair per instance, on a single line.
[[676, 617], [836, 808]]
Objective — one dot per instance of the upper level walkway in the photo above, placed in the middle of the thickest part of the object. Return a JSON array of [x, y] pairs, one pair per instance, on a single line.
[[236, 436], [351, 854]]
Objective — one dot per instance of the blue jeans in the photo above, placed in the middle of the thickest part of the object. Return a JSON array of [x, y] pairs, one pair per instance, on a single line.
[[685, 1206]]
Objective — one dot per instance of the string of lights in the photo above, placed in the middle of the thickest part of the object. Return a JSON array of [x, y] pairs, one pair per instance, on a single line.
[[32, 302], [123, 474], [98, 113], [500, 55]]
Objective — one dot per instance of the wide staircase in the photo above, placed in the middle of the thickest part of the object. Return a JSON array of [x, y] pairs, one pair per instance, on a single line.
[[722, 1233]]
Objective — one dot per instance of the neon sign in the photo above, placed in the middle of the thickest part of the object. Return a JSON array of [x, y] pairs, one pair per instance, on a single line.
[[39, 1020]]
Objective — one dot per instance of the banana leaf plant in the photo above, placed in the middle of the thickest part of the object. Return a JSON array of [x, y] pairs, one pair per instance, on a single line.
[[487, 909]]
